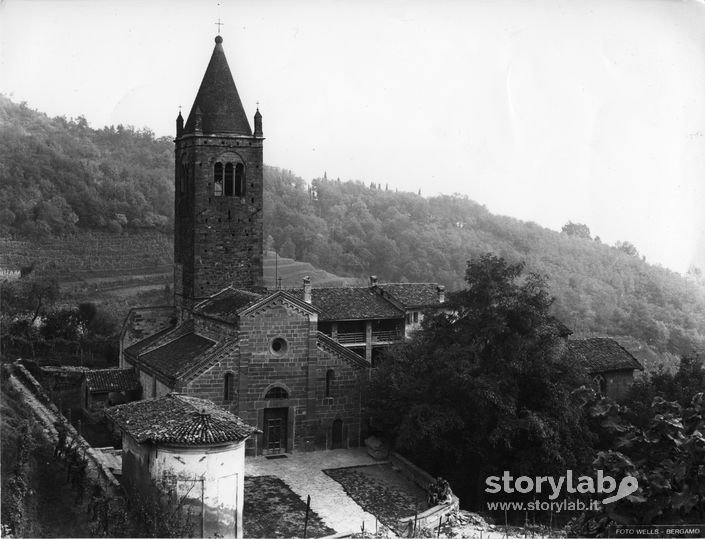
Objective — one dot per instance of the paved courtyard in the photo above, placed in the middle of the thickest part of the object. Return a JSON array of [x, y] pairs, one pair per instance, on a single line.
[[302, 472]]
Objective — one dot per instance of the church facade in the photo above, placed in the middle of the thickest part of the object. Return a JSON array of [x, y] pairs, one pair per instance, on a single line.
[[292, 363]]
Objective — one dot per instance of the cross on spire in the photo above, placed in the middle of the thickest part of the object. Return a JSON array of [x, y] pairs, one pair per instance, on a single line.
[[219, 24]]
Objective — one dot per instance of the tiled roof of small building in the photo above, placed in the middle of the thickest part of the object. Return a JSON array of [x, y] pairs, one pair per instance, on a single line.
[[179, 419], [226, 304], [104, 380], [412, 294], [136, 348], [173, 357], [349, 304], [217, 106], [601, 355]]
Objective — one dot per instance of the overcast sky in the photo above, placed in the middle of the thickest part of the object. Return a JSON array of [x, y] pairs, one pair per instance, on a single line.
[[544, 110]]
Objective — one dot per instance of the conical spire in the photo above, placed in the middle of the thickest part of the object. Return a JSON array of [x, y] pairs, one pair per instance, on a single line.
[[217, 100]]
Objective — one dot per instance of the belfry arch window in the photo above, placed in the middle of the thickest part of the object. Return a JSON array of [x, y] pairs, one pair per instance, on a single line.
[[218, 180], [239, 180], [229, 180]]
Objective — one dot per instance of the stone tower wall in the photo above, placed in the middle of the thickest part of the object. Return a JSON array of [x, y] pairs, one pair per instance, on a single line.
[[218, 240]]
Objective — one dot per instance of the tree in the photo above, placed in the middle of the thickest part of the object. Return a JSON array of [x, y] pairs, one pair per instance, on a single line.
[[626, 247], [665, 456], [681, 387], [24, 302], [484, 388], [578, 230], [288, 249]]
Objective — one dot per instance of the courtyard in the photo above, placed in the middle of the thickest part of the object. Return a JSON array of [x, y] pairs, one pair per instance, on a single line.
[[349, 490]]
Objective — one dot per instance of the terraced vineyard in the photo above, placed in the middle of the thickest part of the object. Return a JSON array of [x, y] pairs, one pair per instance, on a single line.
[[123, 271], [292, 273]]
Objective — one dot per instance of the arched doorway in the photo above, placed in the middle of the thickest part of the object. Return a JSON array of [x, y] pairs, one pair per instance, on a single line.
[[275, 430], [337, 438]]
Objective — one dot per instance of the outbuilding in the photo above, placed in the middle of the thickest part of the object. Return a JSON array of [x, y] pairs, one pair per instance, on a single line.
[[609, 364], [106, 387], [191, 450]]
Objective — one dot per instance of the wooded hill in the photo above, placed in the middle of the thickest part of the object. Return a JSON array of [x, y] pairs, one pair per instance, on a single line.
[[59, 176]]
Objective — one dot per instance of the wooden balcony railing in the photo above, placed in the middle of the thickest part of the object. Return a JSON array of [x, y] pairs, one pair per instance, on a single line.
[[377, 337], [350, 338]]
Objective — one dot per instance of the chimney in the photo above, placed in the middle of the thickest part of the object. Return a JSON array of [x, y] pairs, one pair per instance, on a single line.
[[373, 281], [307, 289], [441, 293]]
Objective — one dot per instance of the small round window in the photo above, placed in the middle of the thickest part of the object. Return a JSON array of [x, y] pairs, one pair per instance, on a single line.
[[279, 346]]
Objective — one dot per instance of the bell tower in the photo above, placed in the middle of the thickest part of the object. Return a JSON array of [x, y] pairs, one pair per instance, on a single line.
[[218, 193]]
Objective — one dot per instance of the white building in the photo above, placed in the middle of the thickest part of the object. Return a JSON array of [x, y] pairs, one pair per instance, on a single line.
[[191, 450]]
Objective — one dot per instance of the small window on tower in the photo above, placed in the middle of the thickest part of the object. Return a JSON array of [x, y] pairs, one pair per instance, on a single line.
[[229, 180], [218, 180], [239, 180]]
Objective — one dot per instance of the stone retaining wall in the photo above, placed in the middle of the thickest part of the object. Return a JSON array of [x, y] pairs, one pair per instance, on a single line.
[[431, 518], [48, 413]]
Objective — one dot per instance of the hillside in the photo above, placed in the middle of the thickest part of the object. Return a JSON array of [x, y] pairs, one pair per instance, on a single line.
[[111, 190], [123, 271]]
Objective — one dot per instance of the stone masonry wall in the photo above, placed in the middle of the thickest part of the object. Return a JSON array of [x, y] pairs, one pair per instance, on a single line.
[[218, 239], [213, 329], [301, 370], [210, 384]]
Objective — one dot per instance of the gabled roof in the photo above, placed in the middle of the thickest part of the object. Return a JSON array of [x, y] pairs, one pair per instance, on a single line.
[[105, 380], [231, 303], [349, 304], [179, 419], [282, 294], [217, 107], [411, 294], [227, 304], [177, 356], [601, 355]]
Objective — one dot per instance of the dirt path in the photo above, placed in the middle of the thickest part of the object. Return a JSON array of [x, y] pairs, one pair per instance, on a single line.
[[55, 508], [58, 512]]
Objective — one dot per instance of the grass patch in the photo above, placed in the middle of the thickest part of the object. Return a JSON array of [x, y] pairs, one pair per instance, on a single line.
[[272, 509], [381, 491]]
